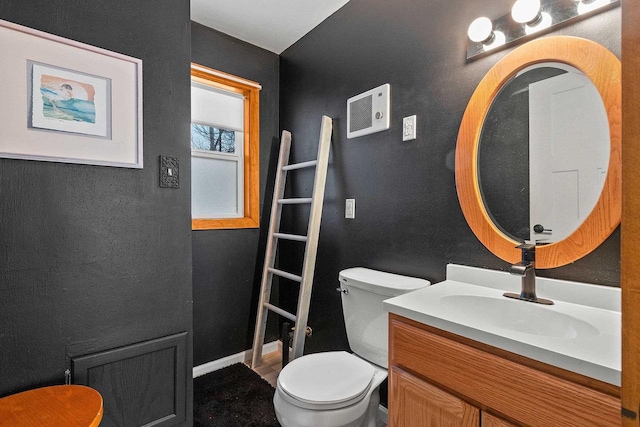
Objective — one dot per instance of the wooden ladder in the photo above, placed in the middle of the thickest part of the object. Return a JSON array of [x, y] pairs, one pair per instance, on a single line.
[[311, 248]]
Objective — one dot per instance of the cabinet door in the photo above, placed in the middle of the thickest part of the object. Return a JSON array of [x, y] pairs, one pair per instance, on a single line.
[[489, 420], [415, 402]]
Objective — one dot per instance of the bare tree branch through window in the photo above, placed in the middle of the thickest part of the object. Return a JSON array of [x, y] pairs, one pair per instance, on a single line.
[[209, 138]]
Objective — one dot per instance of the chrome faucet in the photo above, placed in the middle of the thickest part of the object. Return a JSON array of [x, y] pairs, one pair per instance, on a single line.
[[527, 270]]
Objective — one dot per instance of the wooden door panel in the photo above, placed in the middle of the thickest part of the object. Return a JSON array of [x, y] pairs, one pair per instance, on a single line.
[[489, 420], [418, 403]]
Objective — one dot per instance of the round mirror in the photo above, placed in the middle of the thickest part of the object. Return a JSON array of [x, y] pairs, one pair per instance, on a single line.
[[543, 153], [538, 152]]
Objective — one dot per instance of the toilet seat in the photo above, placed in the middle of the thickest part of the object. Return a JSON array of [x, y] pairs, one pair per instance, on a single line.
[[328, 380]]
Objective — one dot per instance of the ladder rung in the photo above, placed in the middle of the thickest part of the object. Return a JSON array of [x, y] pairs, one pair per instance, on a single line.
[[296, 237], [284, 274], [280, 311], [293, 166], [298, 201]]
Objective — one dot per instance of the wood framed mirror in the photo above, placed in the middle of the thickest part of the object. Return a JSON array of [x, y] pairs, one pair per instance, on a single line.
[[604, 70]]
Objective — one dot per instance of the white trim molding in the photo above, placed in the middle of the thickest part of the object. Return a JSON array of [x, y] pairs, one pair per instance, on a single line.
[[214, 365]]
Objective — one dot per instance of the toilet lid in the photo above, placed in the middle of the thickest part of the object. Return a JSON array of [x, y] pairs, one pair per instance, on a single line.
[[326, 378]]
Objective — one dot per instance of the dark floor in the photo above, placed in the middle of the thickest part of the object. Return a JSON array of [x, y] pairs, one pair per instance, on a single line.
[[234, 396]]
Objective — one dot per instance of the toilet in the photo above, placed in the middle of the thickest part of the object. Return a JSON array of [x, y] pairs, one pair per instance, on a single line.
[[338, 388]]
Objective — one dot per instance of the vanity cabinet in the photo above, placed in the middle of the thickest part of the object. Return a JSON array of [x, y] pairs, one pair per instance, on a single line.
[[489, 420], [440, 379], [422, 404]]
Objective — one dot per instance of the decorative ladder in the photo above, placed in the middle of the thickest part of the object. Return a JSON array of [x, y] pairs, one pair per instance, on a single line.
[[311, 239]]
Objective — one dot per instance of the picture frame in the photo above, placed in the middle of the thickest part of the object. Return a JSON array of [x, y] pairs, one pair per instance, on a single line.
[[67, 101]]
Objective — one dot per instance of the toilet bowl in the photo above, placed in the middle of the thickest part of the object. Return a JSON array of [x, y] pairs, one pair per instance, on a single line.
[[338, 388]]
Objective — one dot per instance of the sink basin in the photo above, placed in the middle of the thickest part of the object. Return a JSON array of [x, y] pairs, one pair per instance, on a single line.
[[518, 316]]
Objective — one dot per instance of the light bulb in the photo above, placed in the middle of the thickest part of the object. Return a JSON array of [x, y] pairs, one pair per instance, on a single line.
[[526, 11], [480, 30], [545, 21], [497, 40], [585, 6]]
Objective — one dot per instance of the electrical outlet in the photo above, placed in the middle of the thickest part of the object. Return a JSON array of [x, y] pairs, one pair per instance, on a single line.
[[409, 128], [350, 208]]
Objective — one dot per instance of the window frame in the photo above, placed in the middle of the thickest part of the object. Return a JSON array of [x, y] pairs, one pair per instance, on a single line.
[[251, 147]]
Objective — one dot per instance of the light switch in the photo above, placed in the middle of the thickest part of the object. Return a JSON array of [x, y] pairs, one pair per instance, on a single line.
[[350, 208], [169, 172], [409, 128]]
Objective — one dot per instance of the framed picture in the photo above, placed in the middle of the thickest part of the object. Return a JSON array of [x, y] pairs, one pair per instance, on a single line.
[[65, 101]]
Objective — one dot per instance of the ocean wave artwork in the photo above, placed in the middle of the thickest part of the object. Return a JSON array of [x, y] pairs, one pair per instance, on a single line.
[[67, 100]]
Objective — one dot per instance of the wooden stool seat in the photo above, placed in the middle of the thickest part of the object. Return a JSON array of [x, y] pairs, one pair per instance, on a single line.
[[55, 406]]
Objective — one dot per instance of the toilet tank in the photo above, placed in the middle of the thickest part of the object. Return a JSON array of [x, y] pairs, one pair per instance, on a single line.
[[364, 316]]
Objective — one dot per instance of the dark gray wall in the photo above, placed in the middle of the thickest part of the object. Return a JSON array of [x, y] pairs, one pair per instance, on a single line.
[[93, 258], [408, 219], [227, 264]]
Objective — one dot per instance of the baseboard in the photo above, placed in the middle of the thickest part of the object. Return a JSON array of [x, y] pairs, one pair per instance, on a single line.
[[383, 415], [214, 365]]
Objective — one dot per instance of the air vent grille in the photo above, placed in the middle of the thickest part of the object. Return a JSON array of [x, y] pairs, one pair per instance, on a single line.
[[361, 114]]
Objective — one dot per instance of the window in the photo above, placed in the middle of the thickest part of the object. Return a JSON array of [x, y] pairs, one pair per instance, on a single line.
[[225, 143]]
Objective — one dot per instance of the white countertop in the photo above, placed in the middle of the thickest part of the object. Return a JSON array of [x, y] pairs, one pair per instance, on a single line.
[[596, 353]]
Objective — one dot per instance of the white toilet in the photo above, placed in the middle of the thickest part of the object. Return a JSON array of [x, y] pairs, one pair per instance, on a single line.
[[337, 388]]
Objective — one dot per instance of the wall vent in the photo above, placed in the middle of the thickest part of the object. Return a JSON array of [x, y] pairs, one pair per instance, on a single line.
[[369, 112]]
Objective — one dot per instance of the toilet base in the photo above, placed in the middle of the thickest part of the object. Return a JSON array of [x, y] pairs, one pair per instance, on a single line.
[[361, 414]]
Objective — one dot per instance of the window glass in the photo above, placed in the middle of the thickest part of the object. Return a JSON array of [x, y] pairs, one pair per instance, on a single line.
[[216, 167], [210, 138]]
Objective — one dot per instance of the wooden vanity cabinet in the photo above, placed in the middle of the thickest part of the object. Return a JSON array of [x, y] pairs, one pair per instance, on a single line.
[[422, 404], [489, 420], [438, 379], [419, 403]]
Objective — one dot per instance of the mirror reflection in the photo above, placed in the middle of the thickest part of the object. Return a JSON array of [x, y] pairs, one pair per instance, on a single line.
[[543, 153]]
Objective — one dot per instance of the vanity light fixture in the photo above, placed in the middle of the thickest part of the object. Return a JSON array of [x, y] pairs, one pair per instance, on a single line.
[[481, 31], [499, 39], [586, 6], [526, 18], [526, 12], [543, 22]]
